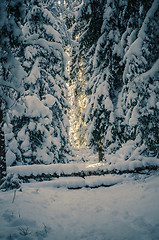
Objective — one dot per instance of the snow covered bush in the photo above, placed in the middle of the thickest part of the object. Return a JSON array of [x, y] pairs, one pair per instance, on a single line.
[[11, 181]]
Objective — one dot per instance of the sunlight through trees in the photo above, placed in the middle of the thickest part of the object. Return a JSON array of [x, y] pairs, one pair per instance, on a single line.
[[78, 73]]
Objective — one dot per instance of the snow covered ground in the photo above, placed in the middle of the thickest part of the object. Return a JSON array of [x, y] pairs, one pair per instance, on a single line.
[[128, 210]]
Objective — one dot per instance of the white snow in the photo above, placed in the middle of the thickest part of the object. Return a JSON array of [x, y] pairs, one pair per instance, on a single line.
[[49, 100], [126, 159], [48, 210], [108, 12], [135, 49], [151, 72], [10, 158], [132, 37], [35, 73], [36, 108], [150, 14], [108, 104], [52, 32]]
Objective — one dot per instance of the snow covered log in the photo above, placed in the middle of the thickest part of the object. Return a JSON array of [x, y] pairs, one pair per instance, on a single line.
[[48, 172]]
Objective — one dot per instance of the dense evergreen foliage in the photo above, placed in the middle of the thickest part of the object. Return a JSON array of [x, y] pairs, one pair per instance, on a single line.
[[112, 76], [36, 126], [40, 127], [116, 44], [11, 71]]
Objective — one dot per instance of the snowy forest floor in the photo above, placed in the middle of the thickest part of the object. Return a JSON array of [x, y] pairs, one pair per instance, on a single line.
[[128, 210]]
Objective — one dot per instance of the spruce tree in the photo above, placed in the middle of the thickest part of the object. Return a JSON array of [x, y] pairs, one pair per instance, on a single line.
[[139, 95], [113, 48], [11, 72], [39, 119], [99, 34], [84, 32]]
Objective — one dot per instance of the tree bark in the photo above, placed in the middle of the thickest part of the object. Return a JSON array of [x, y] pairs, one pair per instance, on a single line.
[[100, 151], [100, 155], [2, 146]]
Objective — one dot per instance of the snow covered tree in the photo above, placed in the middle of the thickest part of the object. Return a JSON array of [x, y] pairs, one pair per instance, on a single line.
[[11, 72], [39, 119], [106, 50], [139, 97], [99, 34], [104, 81], [84, 32]]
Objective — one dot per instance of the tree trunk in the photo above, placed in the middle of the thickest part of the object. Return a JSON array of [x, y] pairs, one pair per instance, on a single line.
[[100, 151], [2, 147]]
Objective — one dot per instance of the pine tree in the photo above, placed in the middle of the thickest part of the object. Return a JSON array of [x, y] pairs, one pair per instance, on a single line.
[[84, 32], [115, 62], [139, 95], [104, 82], [39, 119], [11, 72], [99, 38]]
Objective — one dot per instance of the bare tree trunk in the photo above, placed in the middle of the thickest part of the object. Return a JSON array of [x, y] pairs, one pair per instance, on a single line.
[[100, 155], [2, 147], [100, 151]]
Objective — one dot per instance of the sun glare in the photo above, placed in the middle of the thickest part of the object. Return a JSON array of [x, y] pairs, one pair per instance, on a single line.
[[78, 102]]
